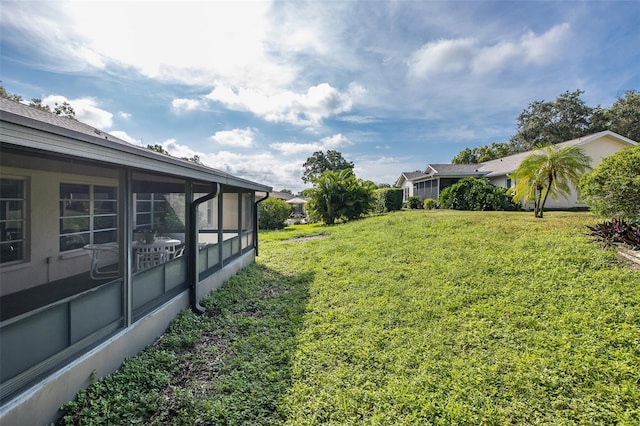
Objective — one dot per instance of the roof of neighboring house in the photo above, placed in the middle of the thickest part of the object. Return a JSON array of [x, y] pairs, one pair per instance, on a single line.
[[281, 195], [72, 137], [500, 166], [297, 200], [409, 176], [509, 164], [453, 169]]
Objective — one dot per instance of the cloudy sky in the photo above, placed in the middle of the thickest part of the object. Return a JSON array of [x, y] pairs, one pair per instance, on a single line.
[[254, 88]]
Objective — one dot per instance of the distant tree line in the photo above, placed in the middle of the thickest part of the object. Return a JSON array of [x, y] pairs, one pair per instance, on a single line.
[[565, 118]]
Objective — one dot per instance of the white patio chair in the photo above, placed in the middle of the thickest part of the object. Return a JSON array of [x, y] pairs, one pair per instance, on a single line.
[[104, 257]]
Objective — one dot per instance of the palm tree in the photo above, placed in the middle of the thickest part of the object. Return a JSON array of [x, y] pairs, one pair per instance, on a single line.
[[548, 171]]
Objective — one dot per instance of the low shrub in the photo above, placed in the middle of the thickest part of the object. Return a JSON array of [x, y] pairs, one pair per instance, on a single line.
[[413, 202], [478, 195], [429, 204]]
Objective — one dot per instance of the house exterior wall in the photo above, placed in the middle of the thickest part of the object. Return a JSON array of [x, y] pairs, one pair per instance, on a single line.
[[62, 321], [596, 150], [407, 190], [427, 189], [40, 404], [596, 146]]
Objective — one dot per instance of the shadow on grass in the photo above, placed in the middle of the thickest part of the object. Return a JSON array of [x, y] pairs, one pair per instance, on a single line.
[[231, 366], [243, 361]]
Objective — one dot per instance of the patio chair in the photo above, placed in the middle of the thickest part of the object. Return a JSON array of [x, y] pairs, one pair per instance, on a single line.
[[104, 260]]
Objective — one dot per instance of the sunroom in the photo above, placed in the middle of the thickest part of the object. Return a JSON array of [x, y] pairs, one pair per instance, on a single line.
[[101, 244]]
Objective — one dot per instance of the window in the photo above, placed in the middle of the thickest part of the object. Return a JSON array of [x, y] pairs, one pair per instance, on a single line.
[[151, 208], [12, 220], [509, 183], [88, 215]]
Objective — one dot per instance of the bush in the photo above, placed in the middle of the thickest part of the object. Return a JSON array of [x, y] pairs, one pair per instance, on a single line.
[[273, 213], [339, 195], [612, 189], [476, 194], [429, 204], [388, 200], [413, 202]]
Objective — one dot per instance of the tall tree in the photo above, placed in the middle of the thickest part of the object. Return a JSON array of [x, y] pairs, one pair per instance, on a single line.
[[566, 118], [320, 162], [482, 153], [624, 115], [548, 171], [466, 156]]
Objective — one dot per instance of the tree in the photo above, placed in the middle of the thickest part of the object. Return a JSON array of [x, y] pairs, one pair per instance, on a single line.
[[158, 148], [37, 103], [388, 199], [273, 213], [612, 189], [566, 118], [482, 153], [10, 96], [339, 195], [286, 191], [193, 159], [64, 110], [624, 116], [320, 162], [476, 194], [548, 171]]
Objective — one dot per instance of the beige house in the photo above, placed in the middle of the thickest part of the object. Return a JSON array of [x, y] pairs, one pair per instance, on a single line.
[[436, 177]]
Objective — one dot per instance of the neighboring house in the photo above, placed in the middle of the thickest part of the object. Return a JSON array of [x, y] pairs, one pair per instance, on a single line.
[[297, 206], [285, 196], [102, 243], [437, 177]]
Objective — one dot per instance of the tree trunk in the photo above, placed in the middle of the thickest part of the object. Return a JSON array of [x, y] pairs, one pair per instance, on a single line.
[[546, 194], [536, 201]]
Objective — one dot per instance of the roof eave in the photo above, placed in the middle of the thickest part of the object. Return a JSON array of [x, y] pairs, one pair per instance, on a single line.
[[70, 142]]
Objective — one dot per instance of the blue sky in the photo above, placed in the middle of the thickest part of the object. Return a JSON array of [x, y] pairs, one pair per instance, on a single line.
[[254, 88]]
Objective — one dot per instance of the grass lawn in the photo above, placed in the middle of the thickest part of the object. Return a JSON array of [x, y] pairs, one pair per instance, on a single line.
[[416, 317]]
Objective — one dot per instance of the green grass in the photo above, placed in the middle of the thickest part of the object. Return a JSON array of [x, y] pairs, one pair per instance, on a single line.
[[417, 317]]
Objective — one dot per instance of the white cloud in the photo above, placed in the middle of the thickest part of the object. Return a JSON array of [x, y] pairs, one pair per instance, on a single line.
[[194, 43], [293, 148], [307, 109], [467, 54], [86, 110], [124, 115], [125, 137], [442, 56], [263, 167], [385, 169], [336, 141], [180, 105], [239, 138], [329, 142], [542, 49]]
